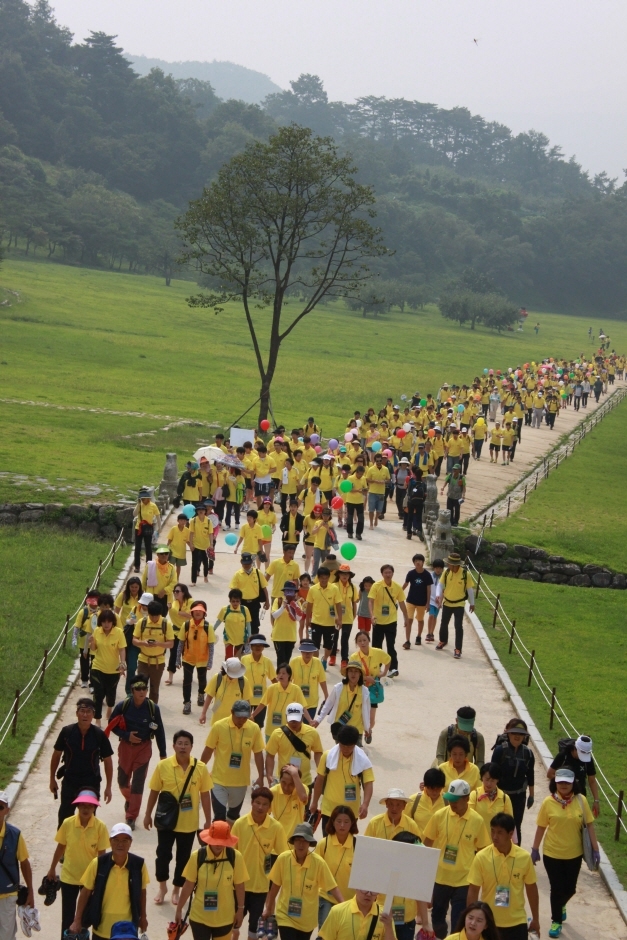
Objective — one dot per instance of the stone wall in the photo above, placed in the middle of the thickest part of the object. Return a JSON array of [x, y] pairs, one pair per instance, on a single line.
[[95, 520], [535, 564]]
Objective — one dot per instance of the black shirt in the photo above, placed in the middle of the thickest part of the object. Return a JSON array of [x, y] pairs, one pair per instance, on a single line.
[[82, 753], [418, 582], [582, 769], [517, 767]]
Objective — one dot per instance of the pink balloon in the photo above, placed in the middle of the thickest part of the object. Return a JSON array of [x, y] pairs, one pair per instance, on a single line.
[[348, 436], [387, 453], [317, 448]]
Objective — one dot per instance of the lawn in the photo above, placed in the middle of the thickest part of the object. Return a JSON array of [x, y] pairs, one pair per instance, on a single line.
[[581, 648], [121, 342], [47, 570], [576, 512]]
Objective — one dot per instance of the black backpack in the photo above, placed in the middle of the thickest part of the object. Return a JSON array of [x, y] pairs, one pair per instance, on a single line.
[[450, 734]]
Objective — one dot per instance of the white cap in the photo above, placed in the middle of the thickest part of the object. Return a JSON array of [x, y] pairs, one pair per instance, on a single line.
[[146, 599], [294, 712], [234, 668], [4, 797], [565, 774], [584, 748], [457, 789], [120, 829], [394, 794]]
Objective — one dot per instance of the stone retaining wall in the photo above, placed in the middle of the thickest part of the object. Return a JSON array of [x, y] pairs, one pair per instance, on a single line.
[[95, 520], [535, 564]]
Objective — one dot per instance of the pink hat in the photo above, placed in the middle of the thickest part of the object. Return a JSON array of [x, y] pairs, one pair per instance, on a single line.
[[86, 796]]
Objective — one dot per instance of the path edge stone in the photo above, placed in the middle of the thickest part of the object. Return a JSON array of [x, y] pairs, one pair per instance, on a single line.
[[606, 868]]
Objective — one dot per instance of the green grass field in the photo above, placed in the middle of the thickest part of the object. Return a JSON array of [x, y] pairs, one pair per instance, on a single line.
[[576, 512], [581, 648], [103, 340], [44, 577]]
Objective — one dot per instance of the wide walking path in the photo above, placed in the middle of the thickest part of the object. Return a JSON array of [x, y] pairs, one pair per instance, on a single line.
[[419, 703]]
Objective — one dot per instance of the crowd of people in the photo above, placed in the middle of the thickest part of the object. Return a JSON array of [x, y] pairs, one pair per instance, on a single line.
[[285, 864]]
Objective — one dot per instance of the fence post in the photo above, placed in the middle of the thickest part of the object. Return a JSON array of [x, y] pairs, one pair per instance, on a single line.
[[536, 486], [512, 635], [619, 814], [509, 500], [496, 610], [43, 669], [491, 518], [99, 573], [16, 708], [557, 461], [485, 519], [552, 709], [478, 585], [525, 496], [531, 662], [115, 542], [65, 630]]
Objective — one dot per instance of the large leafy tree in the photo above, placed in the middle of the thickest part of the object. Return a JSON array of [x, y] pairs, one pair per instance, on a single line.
[[284, 219]]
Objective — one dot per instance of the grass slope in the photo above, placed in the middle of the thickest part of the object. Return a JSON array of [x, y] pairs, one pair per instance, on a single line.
[[105, 340], [44, 577], [581, 648], [575, 512]]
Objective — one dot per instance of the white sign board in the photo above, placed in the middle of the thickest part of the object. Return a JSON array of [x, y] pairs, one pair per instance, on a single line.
[[394, 868], [239, 436]]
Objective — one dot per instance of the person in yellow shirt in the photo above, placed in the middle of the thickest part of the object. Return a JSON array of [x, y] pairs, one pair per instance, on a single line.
[[428, 800], [349, 701], [338, 850], [290, 799], [453, 449], [282, 570], [502, 873], [277, 697], [294, 743], [250, 536], [507, 442], [266, 518], [108, 644], [324, 536], [323, 613], [488, 800], [454, 588], [123, 898], [260, 671], [377, 478], [355, 500], [261, 840], [179, 614], [287, 614], [178, 540], [476, 922], [385, 598], [290, 482], [200, 541], [153, 634], [80, 839], [237, 624], [349, 597], [458, 767], [231, 742], [226, 687], [218, 904], [345, 776], [197, 644], [189, 782], [496, 441], [458, 832], [356, 919], [373, 659], [147, 519], [254, 587], [297, 877], [264, 469]]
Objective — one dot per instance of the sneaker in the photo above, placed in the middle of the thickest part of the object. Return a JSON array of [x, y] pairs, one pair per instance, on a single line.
[[201, 699], [393, 673], [358, 537], [331, 660], [425, 934], [406, 645], [187, 708], [430, 637], [83, 685], [457, 654], [368, 737], [564, 914], [418, 641], [441, 645], [324, 664], [555, 929], [131, 822], [344, 664], [350, 535]]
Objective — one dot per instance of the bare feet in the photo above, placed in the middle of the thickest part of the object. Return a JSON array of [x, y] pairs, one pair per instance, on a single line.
[[160, 898], [175, 896]]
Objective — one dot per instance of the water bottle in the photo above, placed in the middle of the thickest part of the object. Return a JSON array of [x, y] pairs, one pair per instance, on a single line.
[[272, 930], [261, 929]]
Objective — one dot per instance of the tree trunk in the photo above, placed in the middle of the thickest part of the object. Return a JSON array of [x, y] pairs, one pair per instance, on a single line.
[[264, 400]]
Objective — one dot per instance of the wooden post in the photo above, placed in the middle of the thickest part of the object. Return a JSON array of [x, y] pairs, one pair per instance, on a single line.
[[485, 519], [531, 663], [557, 462], [16, 708], [509, 500], [536, 486], [552, 709], [512, 635], [478, 585], [525, 496], [44, 663], [491, 518], [496, 610], [619, 814], [65, 630], [99, 573]]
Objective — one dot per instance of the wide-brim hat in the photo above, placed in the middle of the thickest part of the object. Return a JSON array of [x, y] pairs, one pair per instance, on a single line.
[[218, 833], [352, 664], [454, 559], [346, 569], [303, 831], [162, 550], [258, 640], [395, 793], [144, 493], [234, 668]]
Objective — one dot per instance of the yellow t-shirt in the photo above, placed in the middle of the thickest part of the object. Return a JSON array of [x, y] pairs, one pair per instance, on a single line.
[[342, 788], [225, 693], [251, 537], [280, 572], [264, 467], [170, 776], [425, 808], [86, 622], [215, 887], [125, 609], [455, 585], [470, 774], [146, 514], [385, 598], [166, 579], [487, 808], [308, 677], [377, 477], [251, 585], [178, 540], [320, 532], [259, 674], [324, 601], [283, 627], [107, 657], [234, 624], [345, 704], [290, 487], [288, 809], [82, 845], [339, 858], [300, 883], [276, 698], [356, 495], [454, 447], [201, 531], [496, 436], [266, 518], [564, 825], [281, 747], [373, 661], [490, 868], [257, 843], [233, 748], [346, 922], [116, 902], [145, 629], [179, 614], [21, 853], [458, 838], [349, 594], [382, 827]]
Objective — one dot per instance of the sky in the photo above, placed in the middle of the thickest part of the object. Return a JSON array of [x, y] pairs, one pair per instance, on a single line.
[[557, 66]]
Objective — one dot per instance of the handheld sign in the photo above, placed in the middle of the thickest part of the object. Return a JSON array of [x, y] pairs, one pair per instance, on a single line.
[[239, 436], [394, 868]]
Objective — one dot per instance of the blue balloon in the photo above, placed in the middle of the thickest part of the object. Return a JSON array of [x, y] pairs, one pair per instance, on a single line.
[[376, 447], [189, 511], [230, 538]]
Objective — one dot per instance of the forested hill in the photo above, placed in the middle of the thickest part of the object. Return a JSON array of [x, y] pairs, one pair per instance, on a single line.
[[228, 79], [96, 162]]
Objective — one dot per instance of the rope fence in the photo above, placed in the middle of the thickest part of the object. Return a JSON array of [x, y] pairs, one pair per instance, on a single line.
[[22, 696], [548, 692]]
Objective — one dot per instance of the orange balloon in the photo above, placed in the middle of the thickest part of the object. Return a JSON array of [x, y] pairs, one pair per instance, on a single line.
[[431, 432]]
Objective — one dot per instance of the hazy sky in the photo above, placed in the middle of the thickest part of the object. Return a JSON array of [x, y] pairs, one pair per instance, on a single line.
[[558, 66]]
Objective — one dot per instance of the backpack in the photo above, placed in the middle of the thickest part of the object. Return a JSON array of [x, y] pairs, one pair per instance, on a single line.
[[444, 579], [144, 624], [205, 624], [219, 683], [502, 740], [450, 734], [565, 745], [246, 613]]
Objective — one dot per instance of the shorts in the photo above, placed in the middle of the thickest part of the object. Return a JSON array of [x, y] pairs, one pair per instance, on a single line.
[[376, 502], [433, 610], [506, 448], [276, 483], [262, 489], [415, 610], [249, 483], [254, 903], [495, 447], [180, 562]]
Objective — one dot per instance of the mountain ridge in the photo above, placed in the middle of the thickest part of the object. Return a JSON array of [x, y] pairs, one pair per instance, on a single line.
[[229, 80]]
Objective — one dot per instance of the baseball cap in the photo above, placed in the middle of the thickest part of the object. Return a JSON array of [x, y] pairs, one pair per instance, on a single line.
[[120, 829], [267, 499], [564, 775], [290, 587], [584, 748], [4, 798], [241, 707], [246, 558], [456, 791], [294, 712], [146, 599]]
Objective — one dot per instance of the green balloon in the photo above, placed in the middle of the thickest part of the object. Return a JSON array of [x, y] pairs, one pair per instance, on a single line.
[[348, 551], [266, 531], [423, 402], [346, 486]]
